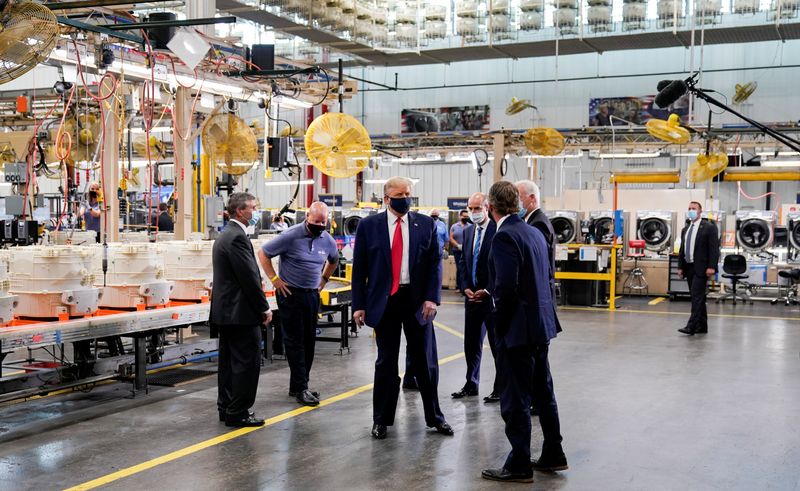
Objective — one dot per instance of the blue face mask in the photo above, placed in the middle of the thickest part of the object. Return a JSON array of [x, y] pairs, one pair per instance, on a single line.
[[254, 218], [522, 212], [691, 215], [400, 205]]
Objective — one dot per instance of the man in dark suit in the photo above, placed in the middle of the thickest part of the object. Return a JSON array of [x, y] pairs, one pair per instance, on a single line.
[[164, 222], [532, 214], [697, 261], [525, 321], [475, 248], [397, 280], [238, 309]]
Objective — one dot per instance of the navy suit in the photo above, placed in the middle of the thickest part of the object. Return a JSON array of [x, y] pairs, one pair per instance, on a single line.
[[525, 321], [477, 315], [539, 220], [391, 314]]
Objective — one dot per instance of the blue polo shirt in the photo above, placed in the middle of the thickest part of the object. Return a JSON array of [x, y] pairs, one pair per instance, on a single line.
[[458, 232], [91, 222], [302, 256], [441, 234]]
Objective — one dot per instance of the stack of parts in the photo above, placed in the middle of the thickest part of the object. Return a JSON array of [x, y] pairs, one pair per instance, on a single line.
[[188, 265], [135, 276]]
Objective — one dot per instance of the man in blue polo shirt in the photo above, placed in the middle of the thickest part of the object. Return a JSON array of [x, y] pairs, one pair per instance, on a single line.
[[304, 250]]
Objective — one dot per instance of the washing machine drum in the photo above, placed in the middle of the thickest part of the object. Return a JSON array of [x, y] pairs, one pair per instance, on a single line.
[[604, 230], [655, 232], [754, 234], [794, 233], [564, 228], [351, 224]]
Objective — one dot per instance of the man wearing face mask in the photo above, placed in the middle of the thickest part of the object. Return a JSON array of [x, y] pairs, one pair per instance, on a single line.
[[697, 261], [304, 250], [441, 230], [532, 214], [456, 241], [238, 309], [397, 279], [477, 241]]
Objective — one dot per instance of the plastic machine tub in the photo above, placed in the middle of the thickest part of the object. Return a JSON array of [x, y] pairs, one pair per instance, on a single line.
[[188, 264], [135, 276], [8, 302], [53, 281], [531, 21], [73, 237]]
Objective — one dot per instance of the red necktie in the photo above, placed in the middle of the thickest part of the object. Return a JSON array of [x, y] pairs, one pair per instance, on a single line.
[[397, 255]]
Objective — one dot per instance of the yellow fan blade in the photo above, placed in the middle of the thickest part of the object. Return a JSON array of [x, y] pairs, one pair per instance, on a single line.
[[669, 131], [338, 145], [544, 141], [707, 166]]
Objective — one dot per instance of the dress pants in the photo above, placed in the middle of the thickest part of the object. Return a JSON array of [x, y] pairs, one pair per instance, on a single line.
[[457, 256], [698, 282], [520, 369], [299, 327], [239, 368], [478, 323], [421, 350]]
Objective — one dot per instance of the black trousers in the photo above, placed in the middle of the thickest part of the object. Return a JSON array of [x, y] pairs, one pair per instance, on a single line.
[[520, 369], [299, 328], [239, 368], [422, 355], [698, 287], [457, 256], [477, 324]]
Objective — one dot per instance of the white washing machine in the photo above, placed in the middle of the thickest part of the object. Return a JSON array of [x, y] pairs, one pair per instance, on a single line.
[[601, 226], [755, 229], [566, 225], [793, 233], [352, 218], [657, 230]]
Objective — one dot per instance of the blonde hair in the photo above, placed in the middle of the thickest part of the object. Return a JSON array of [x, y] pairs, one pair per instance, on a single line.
[[396, 182]]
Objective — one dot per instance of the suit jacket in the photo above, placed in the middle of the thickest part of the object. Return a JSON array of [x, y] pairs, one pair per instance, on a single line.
[[706, 248], [519, 272], [467, 257], [237, 297], [539, 220], [372, 265]]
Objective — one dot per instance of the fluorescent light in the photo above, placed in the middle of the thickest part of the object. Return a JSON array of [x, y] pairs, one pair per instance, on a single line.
[[685, 154], [629, 155], [290, 102], [556, 157], [305, 182], [383, 181], [779, 154], [780, 163], [143, 163]]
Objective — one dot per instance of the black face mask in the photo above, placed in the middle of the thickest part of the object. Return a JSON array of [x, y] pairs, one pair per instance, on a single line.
[[400, 205], [316, 230], [434, 217], [464, 219], [92, 194]]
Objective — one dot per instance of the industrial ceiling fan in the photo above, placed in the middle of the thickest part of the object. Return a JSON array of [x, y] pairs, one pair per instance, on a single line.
[[230, 143], [744, 91], [338, 145], [669, 131], [518, 105], [28, 33], [544, 141]]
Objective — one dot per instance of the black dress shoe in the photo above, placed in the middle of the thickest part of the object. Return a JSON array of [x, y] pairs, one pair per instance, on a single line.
[[506, 476], [444, 429], [306, 398], [464, 392], [687, 330], [550, 464], [222, 415], [410, 385], [241, 423], [378, 431], [297, 394], [493, 397], [703, 330]]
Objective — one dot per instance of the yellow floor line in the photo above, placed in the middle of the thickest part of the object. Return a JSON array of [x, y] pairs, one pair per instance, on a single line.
[[732, 316], [452, 331], [656, 301], [446, 302], [136, 469]]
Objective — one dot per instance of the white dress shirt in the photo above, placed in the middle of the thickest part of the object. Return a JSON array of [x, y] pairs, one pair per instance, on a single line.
[[500, 222], [689, 254], [237, 222], [475, 236], [391, 219]]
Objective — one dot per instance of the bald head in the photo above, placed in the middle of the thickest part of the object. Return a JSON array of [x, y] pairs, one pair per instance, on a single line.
[[435, 213], [478, 208], [317, 213]]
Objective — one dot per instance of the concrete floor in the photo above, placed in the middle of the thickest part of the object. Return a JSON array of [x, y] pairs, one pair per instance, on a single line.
[[642, 407]]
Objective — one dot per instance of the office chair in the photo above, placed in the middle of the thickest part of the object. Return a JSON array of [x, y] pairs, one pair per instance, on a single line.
[[732, 268]]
